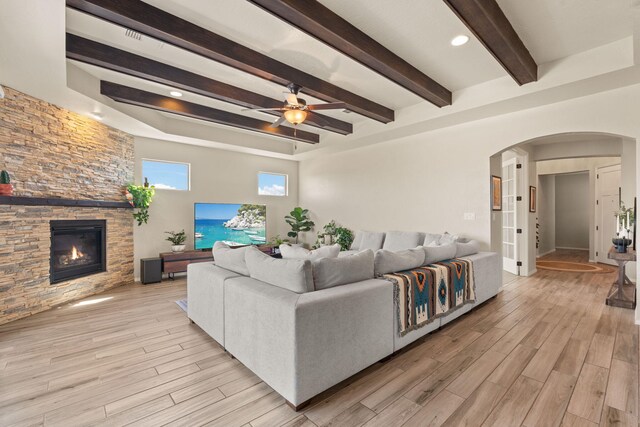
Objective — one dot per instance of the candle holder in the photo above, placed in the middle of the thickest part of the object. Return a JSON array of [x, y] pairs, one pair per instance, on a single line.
[[621, 244]]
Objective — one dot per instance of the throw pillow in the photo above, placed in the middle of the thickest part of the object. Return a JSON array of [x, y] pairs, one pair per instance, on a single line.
[[294, 275], [330, 272], [401, 240], [439, 253], [429, 238], [469, 248], [390, 262], [371, 240], [230, 259], [447, 239], [298, 252], [357, 240]]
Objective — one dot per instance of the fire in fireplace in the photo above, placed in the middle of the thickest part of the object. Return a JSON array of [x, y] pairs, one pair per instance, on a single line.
[[78, 248]]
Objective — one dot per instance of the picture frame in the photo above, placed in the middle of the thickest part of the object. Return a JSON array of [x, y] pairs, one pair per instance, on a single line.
[[496, 193], [532, 199]]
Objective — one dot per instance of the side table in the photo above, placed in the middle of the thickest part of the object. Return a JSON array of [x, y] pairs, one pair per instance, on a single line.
[[623, 291]]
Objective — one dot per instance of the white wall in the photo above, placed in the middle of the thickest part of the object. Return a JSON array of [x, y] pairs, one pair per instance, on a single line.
[[217, 176], [572, 211], [547, 213]]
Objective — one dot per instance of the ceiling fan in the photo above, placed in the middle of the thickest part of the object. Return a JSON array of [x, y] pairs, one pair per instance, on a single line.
[[295, 110]]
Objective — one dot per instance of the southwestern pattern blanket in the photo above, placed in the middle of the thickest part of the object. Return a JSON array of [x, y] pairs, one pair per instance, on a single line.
[[431, 291]]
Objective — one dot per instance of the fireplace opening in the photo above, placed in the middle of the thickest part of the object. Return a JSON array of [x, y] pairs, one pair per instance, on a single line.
[[78, 249]]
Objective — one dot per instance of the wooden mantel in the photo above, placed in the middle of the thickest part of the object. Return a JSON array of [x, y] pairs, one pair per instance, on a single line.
[[45, 201]]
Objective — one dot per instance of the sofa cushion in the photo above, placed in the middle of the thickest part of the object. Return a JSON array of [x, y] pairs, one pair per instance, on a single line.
[[357, 241], [330, 272], [294, 275], [371, 240], [439, 253], [389, 262], [468, 248], [298, 252], [429, 238], [230, 259], [401, 240]]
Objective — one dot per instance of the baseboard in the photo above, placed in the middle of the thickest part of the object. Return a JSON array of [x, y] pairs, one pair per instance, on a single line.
[[532, 272], [572, 249], [545, 253]]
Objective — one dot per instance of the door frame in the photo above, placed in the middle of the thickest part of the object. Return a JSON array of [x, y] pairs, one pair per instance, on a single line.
[[602, 257]]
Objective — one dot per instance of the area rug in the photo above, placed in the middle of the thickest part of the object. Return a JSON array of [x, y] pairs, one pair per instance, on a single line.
[[573, 267], [182, 303]]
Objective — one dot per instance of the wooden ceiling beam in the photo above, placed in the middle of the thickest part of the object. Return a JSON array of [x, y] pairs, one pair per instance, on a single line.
[[486, 20], [320, 22], [111, 58], [141, 98], [161, 25]]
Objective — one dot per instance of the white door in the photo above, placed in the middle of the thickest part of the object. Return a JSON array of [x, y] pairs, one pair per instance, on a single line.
[[509, 216], [608, 203]]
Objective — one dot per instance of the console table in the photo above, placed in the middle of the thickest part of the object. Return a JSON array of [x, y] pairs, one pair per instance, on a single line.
[[177, 262], [623, 291]]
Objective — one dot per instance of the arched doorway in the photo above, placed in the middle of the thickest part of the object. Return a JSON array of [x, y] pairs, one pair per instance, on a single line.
[[574, 158]]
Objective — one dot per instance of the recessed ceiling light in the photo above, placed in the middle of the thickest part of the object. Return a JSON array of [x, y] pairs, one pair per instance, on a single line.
[[175, 93], [96, 115], [459, 40]]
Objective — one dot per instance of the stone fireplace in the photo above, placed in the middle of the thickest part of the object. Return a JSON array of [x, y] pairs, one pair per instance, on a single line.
[[78, 249], [68, 173]]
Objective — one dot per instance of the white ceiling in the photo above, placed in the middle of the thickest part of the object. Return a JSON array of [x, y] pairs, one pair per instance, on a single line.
[[419, 31]]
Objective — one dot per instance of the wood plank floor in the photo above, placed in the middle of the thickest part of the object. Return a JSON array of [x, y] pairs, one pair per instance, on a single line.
[[547, 351]]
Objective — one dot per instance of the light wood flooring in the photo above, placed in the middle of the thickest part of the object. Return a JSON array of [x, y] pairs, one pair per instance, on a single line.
[[546, 351]]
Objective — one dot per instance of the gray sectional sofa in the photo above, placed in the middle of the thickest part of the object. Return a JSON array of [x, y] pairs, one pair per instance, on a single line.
[[300, 341]]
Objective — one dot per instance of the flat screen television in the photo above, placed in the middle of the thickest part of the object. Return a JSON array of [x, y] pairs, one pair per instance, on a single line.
[[234, 224]]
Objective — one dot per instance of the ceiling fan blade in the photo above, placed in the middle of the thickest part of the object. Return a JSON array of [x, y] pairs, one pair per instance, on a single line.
[[265, 109], [277, 122], [329, 106], [317, 119], [292, 99]]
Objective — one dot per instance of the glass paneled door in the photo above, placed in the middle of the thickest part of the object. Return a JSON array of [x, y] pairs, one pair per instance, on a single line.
[[509, 216]]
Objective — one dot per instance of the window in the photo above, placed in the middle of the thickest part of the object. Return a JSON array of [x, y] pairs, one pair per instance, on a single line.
[[272, 184], [166, 175]]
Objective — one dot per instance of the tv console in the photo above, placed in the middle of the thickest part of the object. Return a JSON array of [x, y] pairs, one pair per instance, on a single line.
[[177, 262]]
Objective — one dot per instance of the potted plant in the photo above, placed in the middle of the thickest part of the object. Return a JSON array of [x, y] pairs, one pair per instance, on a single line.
[[6, 189], [344, 237], [140, 197], [299, 221], [177, 240], [329, 232]]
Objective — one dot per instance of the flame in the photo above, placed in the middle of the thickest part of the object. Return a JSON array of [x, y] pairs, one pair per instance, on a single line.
[[75, 253]]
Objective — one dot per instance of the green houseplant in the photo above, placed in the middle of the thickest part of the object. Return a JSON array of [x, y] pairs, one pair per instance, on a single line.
[[344, 237], [177, 240], [299, 221], [6, 189], [140, 197]]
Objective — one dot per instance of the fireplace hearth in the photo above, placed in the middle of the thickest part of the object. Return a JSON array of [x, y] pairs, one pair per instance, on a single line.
[[78, 249]]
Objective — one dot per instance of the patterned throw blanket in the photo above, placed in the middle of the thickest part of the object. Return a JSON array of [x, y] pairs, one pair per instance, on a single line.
[[428, 292]]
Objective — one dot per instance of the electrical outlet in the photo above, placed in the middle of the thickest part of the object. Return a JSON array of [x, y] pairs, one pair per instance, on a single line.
[[469, 216]]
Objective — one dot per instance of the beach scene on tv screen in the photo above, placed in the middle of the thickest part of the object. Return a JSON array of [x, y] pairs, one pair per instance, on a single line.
[[234, 224]]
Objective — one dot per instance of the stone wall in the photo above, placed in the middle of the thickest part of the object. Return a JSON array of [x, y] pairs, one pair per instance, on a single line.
[[53, 152]]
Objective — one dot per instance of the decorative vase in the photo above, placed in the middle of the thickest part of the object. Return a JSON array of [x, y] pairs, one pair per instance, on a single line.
[[6, 189], [177, 248], [621, 244], [328, 239]]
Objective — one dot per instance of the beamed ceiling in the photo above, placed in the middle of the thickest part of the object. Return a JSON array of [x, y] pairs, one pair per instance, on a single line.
[[375, 56]]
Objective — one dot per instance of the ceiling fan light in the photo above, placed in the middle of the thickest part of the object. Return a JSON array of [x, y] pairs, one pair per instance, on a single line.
[[295, 117]]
